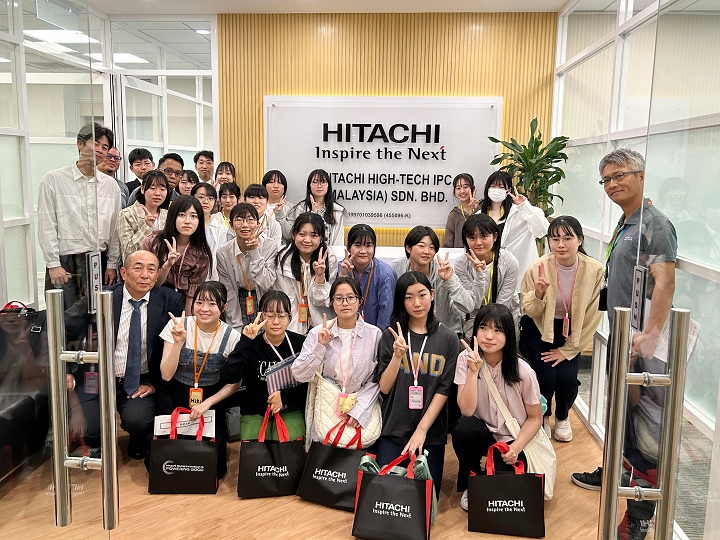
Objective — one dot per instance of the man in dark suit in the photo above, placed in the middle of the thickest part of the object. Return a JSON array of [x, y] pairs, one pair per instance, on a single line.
[[140, 312]]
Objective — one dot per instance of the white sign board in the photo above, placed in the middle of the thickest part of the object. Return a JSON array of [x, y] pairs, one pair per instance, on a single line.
[[391, 160]]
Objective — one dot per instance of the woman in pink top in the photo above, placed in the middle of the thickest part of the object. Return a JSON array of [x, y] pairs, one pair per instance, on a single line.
[[482, 424]]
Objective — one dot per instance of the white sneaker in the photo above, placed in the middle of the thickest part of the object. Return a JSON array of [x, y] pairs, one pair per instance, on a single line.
[[563, 431], [464, 500], [546, 426]]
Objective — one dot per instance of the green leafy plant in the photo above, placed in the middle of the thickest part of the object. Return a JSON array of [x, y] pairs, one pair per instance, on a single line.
[[534, 167]]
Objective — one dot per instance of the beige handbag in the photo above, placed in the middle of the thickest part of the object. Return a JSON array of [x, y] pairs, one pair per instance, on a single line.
[[322, 411], [539, 451]]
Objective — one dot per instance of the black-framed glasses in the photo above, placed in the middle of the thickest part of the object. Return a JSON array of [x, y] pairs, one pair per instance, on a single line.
[[114, 158], [340, 300], [276, 316], [171, 172], [248, 220], [318, 181], [618, 176]]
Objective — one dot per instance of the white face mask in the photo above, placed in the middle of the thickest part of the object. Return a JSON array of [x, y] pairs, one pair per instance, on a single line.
[[497, 194]]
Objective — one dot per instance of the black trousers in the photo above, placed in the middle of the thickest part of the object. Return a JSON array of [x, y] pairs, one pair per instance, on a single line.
[[560, 381], [471, 440]]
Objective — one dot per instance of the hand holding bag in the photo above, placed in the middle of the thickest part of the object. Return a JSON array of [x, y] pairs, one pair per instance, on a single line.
[[270, 468], [330, 475], [509, 504], [539, 451], [183, 466], [392, 503]]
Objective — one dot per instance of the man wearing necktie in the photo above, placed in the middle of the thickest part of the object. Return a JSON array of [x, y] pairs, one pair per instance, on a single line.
[[140, 312]]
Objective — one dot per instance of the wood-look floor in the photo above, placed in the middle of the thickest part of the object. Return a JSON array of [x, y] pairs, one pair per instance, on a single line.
[[26, 507]]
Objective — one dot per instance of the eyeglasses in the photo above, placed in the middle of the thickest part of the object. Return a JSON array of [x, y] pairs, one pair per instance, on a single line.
[[114, 158], [318, 181], [276, 316], [203, 198], [340, 300], [171, 172], [248, 220], [618, 176]]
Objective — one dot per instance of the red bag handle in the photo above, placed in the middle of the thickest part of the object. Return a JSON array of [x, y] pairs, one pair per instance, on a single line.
[[340, 426], [14, 304], [503, 448], [282, 430], [174, 420], [410, 468]]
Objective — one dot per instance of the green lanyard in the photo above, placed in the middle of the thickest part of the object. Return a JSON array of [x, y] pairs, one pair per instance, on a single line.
[[619, 231]]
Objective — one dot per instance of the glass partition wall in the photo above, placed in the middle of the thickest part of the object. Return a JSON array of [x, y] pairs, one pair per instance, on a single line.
[[645, 75]]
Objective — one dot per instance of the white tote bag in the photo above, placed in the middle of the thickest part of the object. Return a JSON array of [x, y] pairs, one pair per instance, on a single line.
[[539, 451]]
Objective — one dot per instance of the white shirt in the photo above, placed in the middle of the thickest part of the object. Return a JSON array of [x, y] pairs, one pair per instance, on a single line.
[[77, 214], [123, 335]]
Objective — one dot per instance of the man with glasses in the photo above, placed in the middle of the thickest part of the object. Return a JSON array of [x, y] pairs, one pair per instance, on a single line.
[[77, 214], [110, 166], [172, 166], [245, 266], [622, 175]]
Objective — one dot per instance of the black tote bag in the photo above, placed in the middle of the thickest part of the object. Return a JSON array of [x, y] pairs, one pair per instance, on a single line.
[[330, 475], [390, 506], [509, 504], [270, 468], [183, 466]]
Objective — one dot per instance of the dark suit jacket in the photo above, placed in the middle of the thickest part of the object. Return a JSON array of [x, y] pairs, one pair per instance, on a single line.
[[162, 300]]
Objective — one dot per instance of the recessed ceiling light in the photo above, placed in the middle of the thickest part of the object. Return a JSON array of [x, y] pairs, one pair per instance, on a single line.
[[203, 32], [48, 47], [2, 60], [60, 36], [119, 58]]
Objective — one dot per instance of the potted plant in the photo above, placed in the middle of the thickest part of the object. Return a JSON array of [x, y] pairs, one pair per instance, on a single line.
[[534, 167]]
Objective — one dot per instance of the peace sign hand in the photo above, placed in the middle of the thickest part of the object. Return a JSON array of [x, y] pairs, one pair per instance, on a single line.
[[178, 331], [541, 282], [253, 329], [444, 268], [399, 345], [325, 334], [347, 264], [254, 240], [473, 204], [516, 198], [474, 361], [173, 253], [316, 206], [149, 218], [478, 264], [319, 265], [280, 203]]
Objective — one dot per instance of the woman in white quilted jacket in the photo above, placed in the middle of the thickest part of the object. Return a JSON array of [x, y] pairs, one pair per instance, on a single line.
[[344, 349]]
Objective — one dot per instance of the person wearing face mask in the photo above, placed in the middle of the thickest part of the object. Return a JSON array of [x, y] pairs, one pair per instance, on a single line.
[[519, 222]]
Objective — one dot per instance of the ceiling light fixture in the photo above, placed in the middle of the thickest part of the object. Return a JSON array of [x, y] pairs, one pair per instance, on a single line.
[[203, 32], [60, 36]]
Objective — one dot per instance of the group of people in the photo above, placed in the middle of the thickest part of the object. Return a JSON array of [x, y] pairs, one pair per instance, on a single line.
[[217, 287]]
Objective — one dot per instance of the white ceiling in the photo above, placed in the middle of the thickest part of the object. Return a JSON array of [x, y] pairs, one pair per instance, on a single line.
[[208, 7]]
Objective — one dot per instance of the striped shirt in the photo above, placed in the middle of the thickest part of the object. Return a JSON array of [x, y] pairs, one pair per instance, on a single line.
[[123, 335]]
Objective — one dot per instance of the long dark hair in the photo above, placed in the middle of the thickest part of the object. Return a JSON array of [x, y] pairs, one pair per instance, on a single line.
[[291, 250], [329, 202], [484, 225], [151, 178], [567, 225], [211, 290], [399, 314], [198, 240], [486, 203], [500, 316]]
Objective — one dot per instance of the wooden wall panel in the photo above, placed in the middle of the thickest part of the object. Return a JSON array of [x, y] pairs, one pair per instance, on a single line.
[[420, 54]]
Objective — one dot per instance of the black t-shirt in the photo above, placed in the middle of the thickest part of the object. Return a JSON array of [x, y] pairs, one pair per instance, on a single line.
[[436, 373], [249, 362]]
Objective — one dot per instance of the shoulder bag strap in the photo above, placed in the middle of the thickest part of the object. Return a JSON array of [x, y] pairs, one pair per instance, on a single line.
[[487, 377]]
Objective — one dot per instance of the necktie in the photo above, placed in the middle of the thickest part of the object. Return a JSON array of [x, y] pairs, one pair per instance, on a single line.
[[132, 365]]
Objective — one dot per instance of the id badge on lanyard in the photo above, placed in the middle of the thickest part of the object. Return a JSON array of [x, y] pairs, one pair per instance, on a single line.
[[250, 304], [415, 392], [92, 381], [196, 396], [303, 311]]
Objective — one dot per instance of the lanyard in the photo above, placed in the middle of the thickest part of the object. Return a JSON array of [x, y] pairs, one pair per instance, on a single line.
[[305, 277], [572, 287], [248, 284], [197, 373], [343, 373], [416, 368], [275, 350], [488, 294], [367, 285]]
